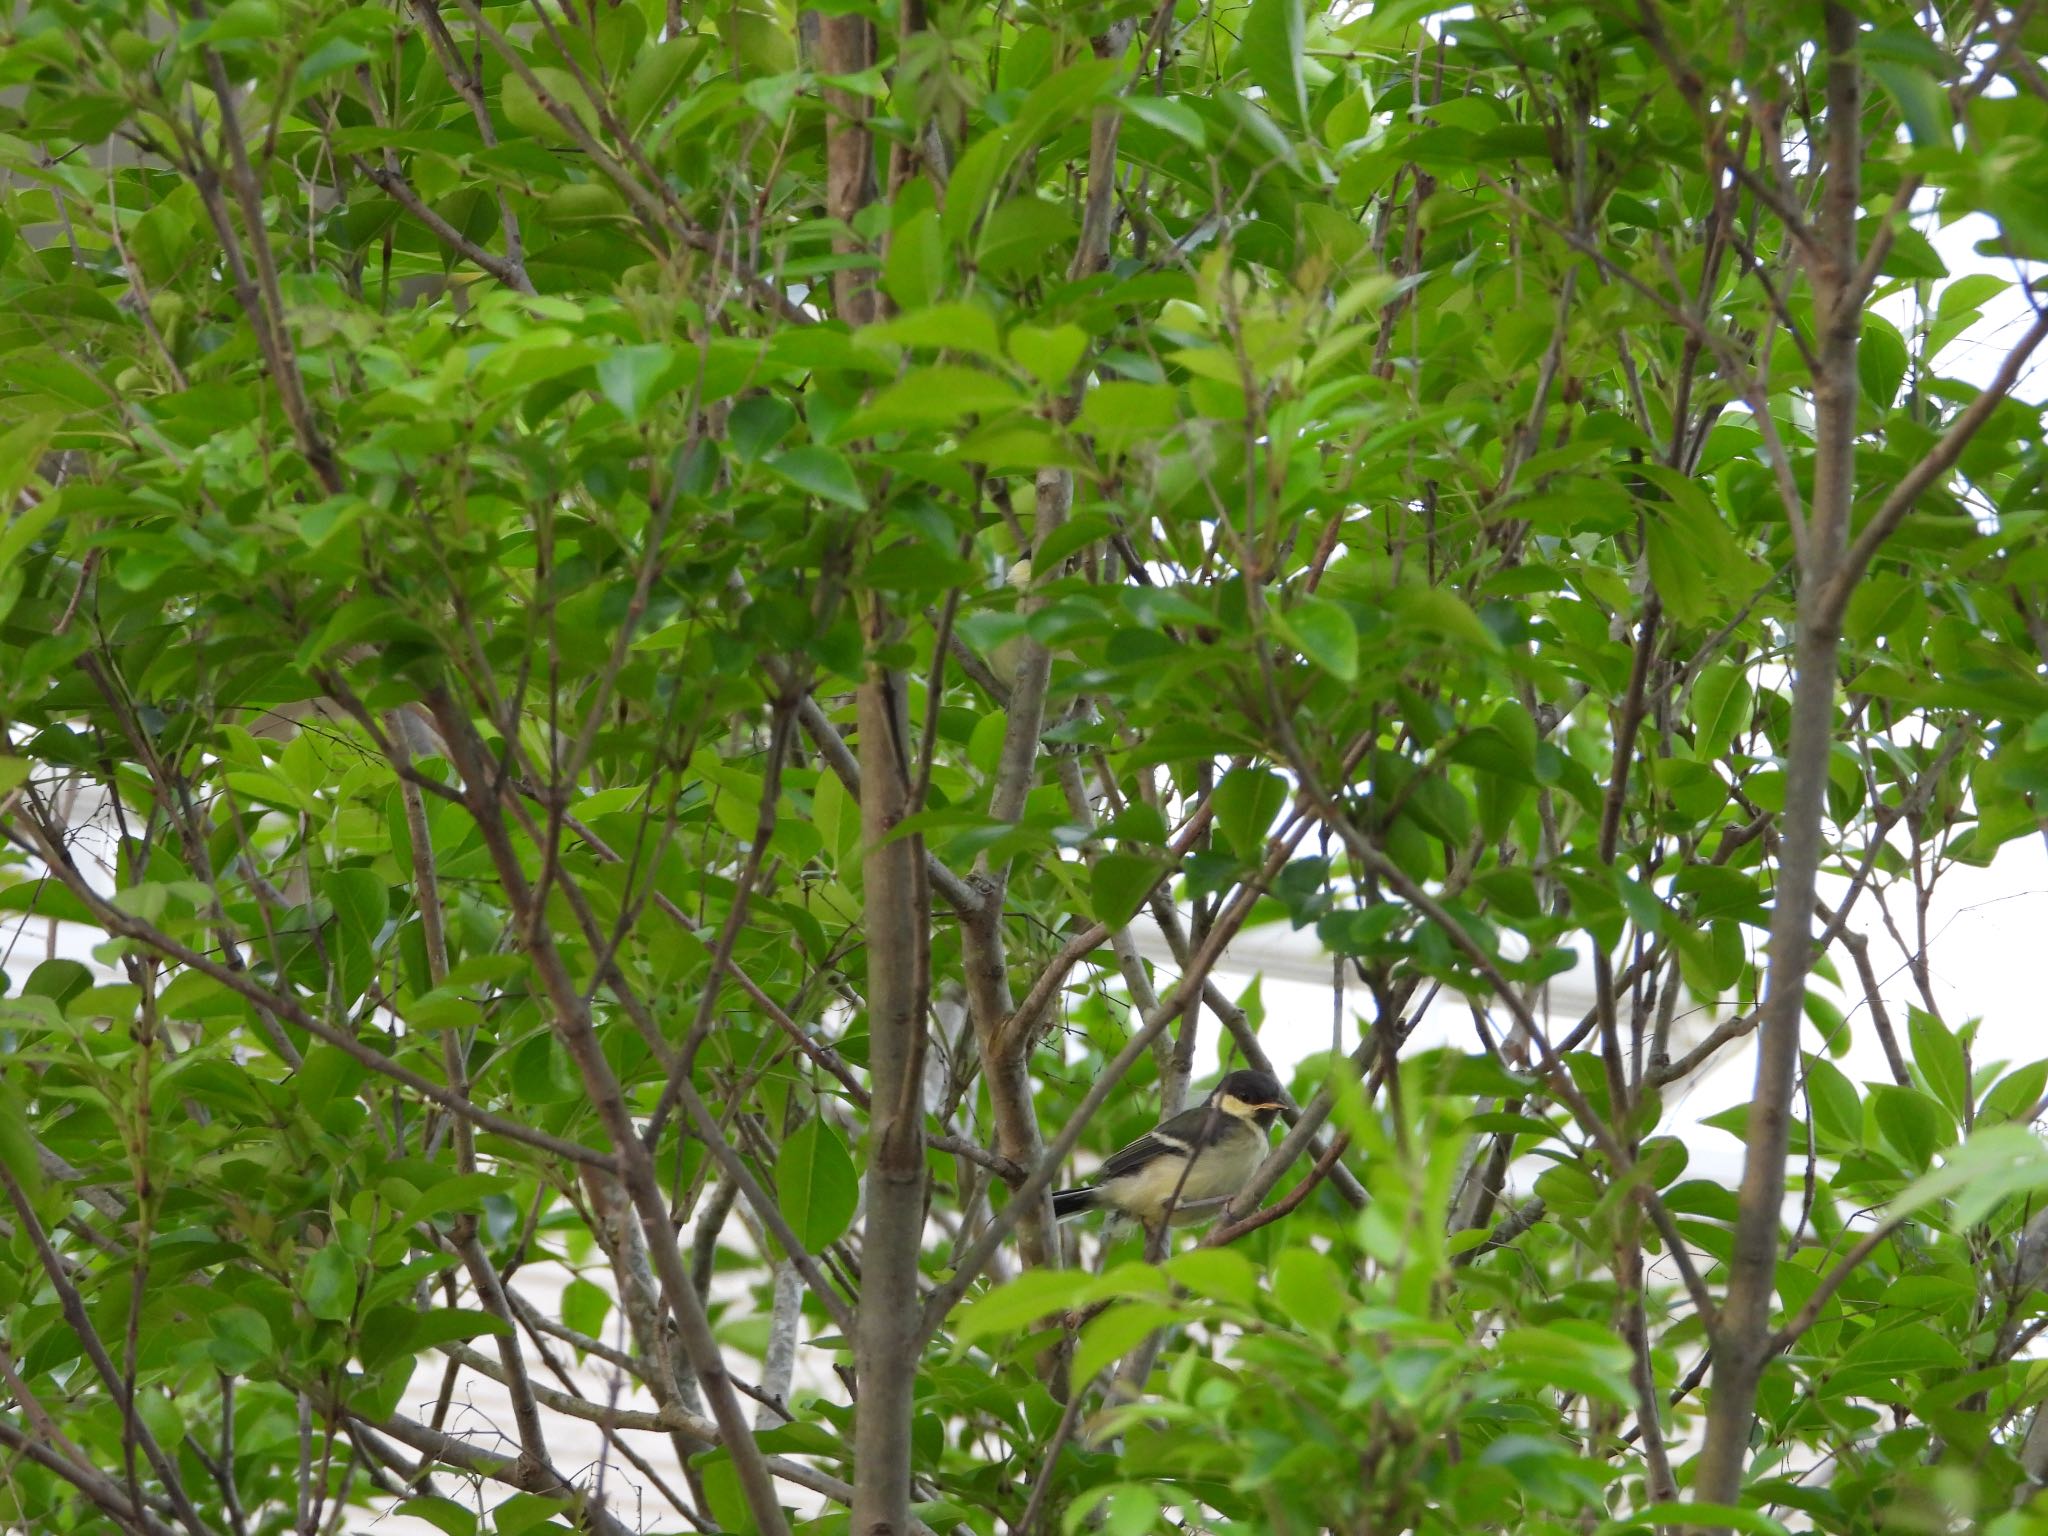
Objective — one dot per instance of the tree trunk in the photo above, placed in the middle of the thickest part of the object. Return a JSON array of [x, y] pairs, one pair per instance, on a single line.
[[1742, 1343], [896, 899]]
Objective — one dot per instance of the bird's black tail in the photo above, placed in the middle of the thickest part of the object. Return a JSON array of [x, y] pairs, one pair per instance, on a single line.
[[1071, 1202]]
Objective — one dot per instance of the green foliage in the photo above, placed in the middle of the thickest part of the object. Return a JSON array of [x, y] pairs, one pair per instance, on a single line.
[[1365, 468]]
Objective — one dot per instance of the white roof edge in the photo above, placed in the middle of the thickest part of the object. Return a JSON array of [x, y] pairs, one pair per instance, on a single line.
[[1298, 956]]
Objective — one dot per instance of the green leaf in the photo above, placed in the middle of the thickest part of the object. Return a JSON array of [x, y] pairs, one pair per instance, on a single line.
[[915, 269], [1996, 1162], [1275, 33], [1897, 1350], [58, 980], [524, 1513], [21, 451], [815, 1184], [1309, 1291], [822, 473], [328, 1284], [948, 327], [585, 1307], [724, 1494], [1439, 611], [1221, 1273], [1701, 570], [534, 111], [2015, 1094], [758, 38], [973, 180], [1837, 1110], [443, 1514], [463, 1192], [1697, 1515], [1024, 1301], [1059, 99], [1939, 1056], [935, 396], [1020, 236], [441, 1325], [1881, 361], [756, 425], [17, 1146], [1323, 632], [361, 904], [1921, 101], [241, 1340], [22, 529], [1169, 113], [1111, 1335], [652, 83], [1248, 801], [1912, 1122], [1721, 703], [243, 21], [633, 377], [1119, 884], [1120, 414], [1120, 1509], [1049, 354]]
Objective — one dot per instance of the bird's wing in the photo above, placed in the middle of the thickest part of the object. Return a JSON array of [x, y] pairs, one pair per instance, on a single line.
[[1178, 1137]]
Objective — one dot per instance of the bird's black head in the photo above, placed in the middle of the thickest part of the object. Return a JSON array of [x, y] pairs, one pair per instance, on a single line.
[[1254, 1095]]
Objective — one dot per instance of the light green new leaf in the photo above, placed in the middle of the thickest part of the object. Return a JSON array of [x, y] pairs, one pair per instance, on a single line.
[[1120, 1509], [936, 396], [1309, 1291], [1998, 1161], [953, 327], [1221, 1273], [1050, 354], [1113, 1334], [1032, 1296]]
